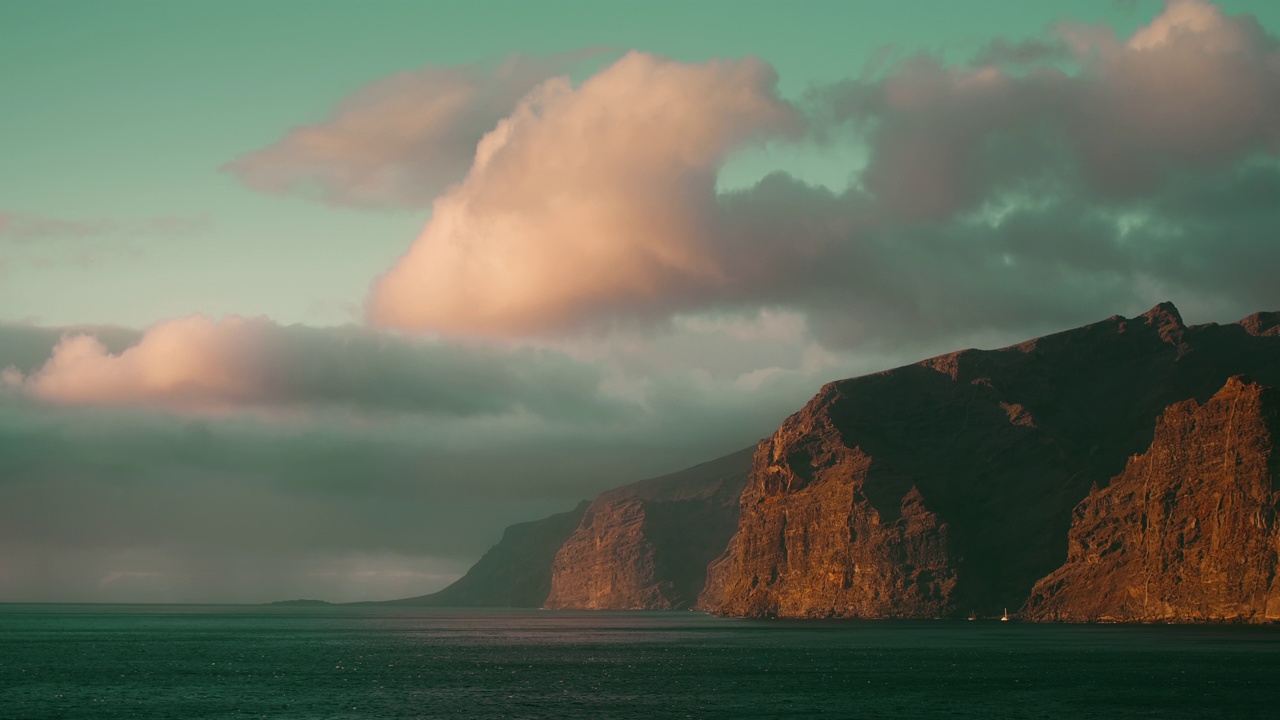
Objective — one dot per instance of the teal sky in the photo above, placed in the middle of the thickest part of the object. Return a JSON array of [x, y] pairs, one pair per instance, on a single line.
[[121, 112]]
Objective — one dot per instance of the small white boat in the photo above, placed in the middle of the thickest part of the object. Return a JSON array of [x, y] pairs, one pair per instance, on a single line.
[[1005, 616]]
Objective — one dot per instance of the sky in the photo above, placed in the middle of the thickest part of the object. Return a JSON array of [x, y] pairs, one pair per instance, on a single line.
[[313, 299]]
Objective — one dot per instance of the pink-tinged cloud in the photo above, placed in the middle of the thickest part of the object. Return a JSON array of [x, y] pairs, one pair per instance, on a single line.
[[199, 365], [596, 206], [403, 139], [588, 203], [1189, 17], [190, 363], [1193, 90]]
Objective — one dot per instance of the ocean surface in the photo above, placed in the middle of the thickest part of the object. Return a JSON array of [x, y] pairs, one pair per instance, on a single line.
[[155, 661]]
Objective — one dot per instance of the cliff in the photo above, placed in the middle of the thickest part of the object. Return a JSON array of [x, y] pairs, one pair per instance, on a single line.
[[1187, 532], [946, 487], [1113, 471], [514, 573], [640, 546], [646, 546]]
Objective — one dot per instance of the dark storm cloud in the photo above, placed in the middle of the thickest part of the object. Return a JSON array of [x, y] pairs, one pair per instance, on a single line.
[[1020, 265]]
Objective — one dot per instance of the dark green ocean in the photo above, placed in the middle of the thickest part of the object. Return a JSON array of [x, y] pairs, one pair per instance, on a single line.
[[104, 661]]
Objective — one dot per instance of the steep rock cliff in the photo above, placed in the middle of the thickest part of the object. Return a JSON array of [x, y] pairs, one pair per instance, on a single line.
[[947, 486], [514, 573], [1188, 531], [646, 546]]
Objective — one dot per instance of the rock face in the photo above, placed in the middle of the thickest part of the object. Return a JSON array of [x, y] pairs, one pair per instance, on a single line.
[[514, 573], [646, 546], [1121, 470], [641, 546], [947, 487], [1188, 531]]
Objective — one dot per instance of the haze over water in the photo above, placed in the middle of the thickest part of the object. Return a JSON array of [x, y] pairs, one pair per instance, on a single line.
[[157, 661]]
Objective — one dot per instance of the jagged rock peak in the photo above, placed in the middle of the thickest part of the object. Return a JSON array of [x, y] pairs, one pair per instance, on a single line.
[[1164, 318], [1167, 321], [1262, 324], [1164, 314]]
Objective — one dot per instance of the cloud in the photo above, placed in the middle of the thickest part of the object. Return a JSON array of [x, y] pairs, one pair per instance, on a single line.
[[201, 365], [1025, 52], [594, 207], [1194, 89], [192, 505], [26, 228], [27, 346], [586, 203], [1042, 196], [403, 139], [42, 241]]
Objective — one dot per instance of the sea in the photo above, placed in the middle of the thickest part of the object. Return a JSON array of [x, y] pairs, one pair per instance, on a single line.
[[193, 661]]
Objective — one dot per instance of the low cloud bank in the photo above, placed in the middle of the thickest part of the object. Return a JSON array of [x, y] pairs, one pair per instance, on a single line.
[[200, 365]]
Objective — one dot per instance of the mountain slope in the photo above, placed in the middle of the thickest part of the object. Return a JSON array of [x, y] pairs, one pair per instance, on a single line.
[[640, 546], [1188, 531], [646, 546], [947, 486], [969, 482], [514, 573]]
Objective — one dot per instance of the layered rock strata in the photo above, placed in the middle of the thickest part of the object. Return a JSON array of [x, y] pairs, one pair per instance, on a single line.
[[640, 546], [1188, 531], [646, 546], [947, 487]]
